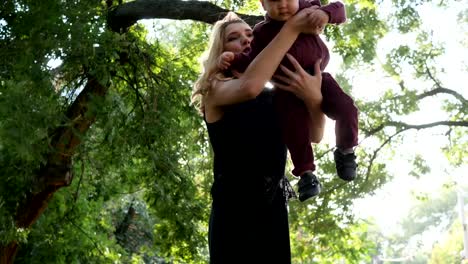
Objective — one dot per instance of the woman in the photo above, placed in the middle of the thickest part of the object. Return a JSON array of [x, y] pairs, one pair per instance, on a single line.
[[249, 221]]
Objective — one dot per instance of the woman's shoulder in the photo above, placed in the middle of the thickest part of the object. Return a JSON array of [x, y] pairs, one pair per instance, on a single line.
[[212, 111], [220, 77]]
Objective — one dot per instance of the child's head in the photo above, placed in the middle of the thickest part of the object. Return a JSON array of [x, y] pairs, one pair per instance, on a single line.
[[280, 10]]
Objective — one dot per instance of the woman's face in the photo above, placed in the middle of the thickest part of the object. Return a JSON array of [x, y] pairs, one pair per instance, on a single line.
[[238, 37]]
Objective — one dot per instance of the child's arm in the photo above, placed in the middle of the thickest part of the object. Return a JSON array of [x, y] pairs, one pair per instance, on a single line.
[[241, 61], [336, 11]]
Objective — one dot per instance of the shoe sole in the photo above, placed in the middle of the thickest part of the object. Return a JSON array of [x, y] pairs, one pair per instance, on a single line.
[[305, 196], [347, 179]]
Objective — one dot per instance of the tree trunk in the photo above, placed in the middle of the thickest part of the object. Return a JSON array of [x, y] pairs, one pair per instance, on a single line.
[[8, 252], [34, 207], [56, 173]]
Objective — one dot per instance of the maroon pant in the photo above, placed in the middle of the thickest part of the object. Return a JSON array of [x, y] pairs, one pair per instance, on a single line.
[[295, 122]]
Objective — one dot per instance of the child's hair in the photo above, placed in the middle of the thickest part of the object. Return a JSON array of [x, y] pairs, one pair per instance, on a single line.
[[209, 58]]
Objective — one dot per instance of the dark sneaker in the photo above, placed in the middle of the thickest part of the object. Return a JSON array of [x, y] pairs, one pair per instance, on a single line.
[[309, 186], [345, 165]]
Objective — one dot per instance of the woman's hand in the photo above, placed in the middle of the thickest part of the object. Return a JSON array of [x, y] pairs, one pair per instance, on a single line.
[[303, 85], [319, 19], [308, 88], [306, 20]]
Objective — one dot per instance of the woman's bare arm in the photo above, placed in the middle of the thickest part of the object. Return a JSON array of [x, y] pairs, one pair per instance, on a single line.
[[260, 70]]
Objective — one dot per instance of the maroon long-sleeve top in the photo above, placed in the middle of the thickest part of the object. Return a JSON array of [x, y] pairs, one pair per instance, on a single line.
[[307, 48]]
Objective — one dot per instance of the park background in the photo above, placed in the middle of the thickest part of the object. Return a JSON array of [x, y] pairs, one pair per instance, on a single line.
[[104, 160]]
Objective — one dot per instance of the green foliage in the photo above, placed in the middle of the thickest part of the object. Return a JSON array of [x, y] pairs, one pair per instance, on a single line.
[[351, 243], [144, 139], [142, 172], [420, 167], [456, 153], [149, 144], [325, 230], [430, 213], [69, 233], [405, 17], [448, 250], [252, 7], [417, 73], [356, 40], [231, 4], [417, 57], [32, 34]]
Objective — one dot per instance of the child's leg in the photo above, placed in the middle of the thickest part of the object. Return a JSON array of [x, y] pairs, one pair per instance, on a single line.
[[295, 127], [339, 106]]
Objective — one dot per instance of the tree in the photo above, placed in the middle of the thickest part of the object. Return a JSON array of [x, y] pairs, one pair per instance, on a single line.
[[114, 120], [449, 249], [430, 215], [50, 131]]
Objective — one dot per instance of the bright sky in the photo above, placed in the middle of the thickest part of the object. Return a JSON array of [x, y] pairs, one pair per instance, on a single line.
[[393, 202]]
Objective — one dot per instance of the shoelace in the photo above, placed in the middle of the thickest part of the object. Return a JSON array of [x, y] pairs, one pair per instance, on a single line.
[[288, 191], [285, 186]]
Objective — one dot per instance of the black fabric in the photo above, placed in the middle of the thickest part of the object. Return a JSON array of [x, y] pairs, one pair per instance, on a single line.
[[249, 220]]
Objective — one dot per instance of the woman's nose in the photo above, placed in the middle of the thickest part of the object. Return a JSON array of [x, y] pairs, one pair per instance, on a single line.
[[245, 40]]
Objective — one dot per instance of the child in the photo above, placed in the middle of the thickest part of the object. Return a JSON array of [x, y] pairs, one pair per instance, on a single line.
[[292, 113]]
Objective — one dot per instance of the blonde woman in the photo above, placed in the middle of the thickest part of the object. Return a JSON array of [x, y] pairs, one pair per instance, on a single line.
[[249, 221]]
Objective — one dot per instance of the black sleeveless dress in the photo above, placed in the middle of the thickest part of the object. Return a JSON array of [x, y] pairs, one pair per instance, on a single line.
[[249, 219]]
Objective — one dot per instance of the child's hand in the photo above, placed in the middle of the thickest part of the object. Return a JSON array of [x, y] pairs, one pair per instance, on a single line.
[[224, 60], [318, 19]]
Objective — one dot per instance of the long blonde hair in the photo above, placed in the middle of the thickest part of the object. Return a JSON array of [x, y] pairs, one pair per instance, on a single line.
[[209, 58]]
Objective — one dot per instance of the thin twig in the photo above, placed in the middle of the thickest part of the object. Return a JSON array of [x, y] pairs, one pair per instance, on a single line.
[[96, 245]]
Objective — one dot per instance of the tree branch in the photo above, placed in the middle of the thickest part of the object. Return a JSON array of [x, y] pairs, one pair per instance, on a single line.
[[127, 14], [405, 126], [56, 173], [443, 90], [438, 90], [402, 128], [96, 245], [376, 152]]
